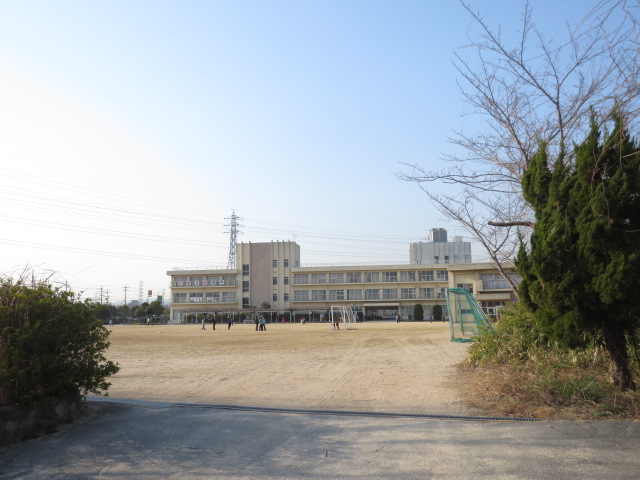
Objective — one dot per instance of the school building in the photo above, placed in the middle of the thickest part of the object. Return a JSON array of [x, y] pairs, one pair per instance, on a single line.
[[271, 273]]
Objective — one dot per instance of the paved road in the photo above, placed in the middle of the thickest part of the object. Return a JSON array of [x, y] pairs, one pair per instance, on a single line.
[[117, 441]]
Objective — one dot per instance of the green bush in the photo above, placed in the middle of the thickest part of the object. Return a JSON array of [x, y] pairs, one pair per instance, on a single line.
[[51, 343], [437, 313], [418, 313], [514, 339]]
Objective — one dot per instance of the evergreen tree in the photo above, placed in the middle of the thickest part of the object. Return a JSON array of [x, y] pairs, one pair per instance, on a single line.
[[582, 271], [418, 312]]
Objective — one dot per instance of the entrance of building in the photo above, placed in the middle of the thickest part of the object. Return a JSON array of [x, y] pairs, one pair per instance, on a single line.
[[380, 313]]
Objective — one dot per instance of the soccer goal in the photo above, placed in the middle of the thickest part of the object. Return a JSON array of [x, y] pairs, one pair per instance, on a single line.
[[466, 318], [344, 314]]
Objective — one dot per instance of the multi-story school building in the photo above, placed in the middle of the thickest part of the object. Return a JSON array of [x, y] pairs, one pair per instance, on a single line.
[[270, 273]]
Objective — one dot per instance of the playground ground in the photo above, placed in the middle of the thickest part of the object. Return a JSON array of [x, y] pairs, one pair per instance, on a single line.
[[408, 367]]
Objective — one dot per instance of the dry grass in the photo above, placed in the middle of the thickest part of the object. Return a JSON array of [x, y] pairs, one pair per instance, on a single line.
[[564, 392]]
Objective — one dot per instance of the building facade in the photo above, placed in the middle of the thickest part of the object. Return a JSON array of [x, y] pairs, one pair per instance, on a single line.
[[270, 278]]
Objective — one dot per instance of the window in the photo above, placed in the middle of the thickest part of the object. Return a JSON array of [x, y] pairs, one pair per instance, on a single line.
[[179, 298], [245, 270], [389, 276], [336, 278], [228, 280], [371, 277], [301, 296], [274, 280], [286, 297], [245, 302], [245, 286], [494, 281], [354, 294], [213, 297], [336, 294], [389, 293], [300, 278], [408, 276], [441, 292], [317, 295], [353, 277], [286, 280], [372, 294], [286, 262], [446, 259], [436, 259], [274, 297], [442, 275], [229, 297], [426, 293], [408, 293], [425, 276], [275, 263], [467, 286], [318, 278], [195, 297]]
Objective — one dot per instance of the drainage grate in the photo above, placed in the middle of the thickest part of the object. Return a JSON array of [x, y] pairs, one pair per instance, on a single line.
[[150, 403]]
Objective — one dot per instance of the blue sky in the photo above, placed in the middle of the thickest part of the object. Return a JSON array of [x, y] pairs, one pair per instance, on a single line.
[[130, 130]]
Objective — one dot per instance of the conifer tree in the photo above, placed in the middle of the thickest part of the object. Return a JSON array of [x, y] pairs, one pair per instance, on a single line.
[[581, 274]]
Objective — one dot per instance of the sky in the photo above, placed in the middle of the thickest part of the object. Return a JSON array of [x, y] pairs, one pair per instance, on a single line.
[[130, 131]]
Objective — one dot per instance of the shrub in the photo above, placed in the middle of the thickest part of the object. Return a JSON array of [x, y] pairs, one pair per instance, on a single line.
[[418, 313], [51, 343], [519, 371], [437, 313]]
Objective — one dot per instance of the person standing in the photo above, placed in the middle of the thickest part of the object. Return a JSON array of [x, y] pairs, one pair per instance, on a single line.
[[430, 318], [204, 319], [229, 321], [397, 318], [256, 319], [213, 320]]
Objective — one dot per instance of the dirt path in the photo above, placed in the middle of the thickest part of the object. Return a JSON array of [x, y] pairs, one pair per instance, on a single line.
[[378, 367]]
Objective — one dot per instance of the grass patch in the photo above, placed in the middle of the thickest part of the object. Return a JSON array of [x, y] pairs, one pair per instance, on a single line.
[[514, 371]]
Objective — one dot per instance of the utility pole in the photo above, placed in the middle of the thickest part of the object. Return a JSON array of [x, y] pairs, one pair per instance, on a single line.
[[125, 294], [233, 238]]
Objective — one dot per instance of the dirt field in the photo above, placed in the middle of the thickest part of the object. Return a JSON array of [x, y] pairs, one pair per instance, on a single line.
[[406, 367]]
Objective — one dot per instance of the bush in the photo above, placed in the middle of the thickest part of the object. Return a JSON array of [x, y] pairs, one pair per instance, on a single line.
[[418, 313], [437, 313], [519, 371], [51, 343]]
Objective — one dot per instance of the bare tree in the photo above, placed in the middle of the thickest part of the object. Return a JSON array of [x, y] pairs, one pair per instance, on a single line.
[[530, 93]]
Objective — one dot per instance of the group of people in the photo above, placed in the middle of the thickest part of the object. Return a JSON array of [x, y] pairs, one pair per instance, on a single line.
[[261, 323], [213, 320], [204, 322]]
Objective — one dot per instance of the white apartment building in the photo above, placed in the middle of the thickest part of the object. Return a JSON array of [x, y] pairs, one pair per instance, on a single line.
[[270, 273]]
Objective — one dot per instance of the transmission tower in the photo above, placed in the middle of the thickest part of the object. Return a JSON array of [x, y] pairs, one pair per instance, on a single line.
[[233, 238]]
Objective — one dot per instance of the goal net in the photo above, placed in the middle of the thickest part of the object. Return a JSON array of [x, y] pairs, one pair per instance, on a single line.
[[466, 318], [345, 315]]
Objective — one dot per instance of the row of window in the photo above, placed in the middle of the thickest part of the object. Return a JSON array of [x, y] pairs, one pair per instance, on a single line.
[[369, 294], [371, 277], [495, 281], [204, 297]]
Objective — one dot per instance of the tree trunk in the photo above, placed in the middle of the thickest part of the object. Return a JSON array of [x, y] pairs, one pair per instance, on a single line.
[[619, 371]]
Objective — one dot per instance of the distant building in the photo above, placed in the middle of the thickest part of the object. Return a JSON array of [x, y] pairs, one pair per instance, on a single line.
[[439, 251], [271, 273], [438, 235]]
